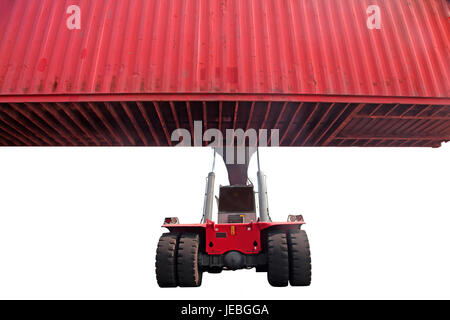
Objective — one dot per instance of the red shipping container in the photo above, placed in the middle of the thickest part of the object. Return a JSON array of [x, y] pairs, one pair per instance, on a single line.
[[325, 72]]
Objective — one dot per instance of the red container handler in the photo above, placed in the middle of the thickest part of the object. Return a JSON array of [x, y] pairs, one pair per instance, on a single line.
[[130, 72]]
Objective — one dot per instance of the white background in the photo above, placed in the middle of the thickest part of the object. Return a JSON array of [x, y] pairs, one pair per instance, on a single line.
[[84, 222]]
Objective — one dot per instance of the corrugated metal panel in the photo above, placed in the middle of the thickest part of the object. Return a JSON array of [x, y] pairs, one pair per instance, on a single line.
[[136, 70], [301, 47]]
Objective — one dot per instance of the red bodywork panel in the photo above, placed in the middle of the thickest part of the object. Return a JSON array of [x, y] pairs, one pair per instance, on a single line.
[[227, 237]]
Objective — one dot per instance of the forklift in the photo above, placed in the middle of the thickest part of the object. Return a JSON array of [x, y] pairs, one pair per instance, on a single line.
[[239, 239]]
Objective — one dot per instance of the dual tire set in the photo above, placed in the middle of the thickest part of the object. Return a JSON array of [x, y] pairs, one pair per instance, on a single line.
[[177, 260], [288, 259]]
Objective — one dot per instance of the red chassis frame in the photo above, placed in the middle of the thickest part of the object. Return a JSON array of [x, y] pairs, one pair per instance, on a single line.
[[224, 237]]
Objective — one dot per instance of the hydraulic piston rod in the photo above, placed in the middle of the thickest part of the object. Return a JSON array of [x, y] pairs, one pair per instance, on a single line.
[[262, 194], [209, 193]]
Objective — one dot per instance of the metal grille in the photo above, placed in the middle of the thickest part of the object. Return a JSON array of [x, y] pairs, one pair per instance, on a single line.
[[150, 123]]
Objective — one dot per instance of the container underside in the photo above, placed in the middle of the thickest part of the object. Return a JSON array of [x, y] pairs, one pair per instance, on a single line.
[[151, 123]]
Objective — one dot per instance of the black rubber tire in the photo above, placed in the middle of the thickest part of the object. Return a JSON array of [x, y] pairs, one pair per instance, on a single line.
[[166, 260], [277, 259], [189, 273], [299, 258]]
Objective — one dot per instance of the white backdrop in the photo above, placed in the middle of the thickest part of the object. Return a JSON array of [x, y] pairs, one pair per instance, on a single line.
[[84, 222]]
